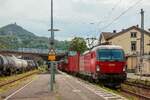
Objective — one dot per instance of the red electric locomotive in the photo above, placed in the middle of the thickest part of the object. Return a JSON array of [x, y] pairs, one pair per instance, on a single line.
[[106, 63]]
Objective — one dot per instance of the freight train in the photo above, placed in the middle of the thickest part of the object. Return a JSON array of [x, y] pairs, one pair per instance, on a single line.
[[105, 63], [11, 65]]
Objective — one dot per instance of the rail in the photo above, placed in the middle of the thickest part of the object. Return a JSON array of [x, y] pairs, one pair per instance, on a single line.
[[142, 91]]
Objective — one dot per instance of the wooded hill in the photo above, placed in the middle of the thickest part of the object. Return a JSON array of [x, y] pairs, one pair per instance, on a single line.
[[13, 36]]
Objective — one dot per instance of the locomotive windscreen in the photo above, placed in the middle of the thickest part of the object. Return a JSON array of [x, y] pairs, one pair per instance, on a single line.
[[110, 54]]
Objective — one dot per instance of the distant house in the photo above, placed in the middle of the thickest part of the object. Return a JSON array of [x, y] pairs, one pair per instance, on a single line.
[[129, 39]]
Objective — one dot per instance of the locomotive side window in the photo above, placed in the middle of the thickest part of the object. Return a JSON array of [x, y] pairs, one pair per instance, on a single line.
[[110, 54]]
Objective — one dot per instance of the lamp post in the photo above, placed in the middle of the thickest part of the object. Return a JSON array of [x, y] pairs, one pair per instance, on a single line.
[[52, 54]]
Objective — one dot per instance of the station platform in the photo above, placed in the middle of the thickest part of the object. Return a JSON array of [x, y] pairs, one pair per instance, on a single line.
[[66, 88], [134, 76]]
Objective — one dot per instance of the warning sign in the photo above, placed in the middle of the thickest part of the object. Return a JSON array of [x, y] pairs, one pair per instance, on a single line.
[[52, 55]]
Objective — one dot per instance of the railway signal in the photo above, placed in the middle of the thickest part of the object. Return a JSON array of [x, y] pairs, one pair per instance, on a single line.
[[52, 55]]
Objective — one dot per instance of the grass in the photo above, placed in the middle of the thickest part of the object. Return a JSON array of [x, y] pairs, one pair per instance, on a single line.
[[43, 68], [14, 77]]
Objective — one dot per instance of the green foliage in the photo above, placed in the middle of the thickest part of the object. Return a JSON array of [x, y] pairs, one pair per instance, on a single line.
[[8, 42], [78, 44], [63, 45]]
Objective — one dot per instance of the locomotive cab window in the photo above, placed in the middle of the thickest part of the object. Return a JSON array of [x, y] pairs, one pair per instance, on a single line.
[[110, 54]]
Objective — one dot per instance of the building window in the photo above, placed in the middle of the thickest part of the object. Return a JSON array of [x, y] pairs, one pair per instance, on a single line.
[[133, 45], [133, 34]]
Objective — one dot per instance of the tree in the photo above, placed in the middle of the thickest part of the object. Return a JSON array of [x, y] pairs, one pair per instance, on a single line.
[[78, 44]]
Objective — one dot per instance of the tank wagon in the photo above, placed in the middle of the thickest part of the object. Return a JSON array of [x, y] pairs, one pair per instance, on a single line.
[[12, 65]]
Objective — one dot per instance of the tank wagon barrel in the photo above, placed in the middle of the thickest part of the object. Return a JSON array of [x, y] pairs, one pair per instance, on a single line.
[[12, 65]]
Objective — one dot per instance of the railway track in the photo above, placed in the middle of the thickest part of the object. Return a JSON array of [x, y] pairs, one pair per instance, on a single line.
[[17, 79], [140, 91], [137, 85]]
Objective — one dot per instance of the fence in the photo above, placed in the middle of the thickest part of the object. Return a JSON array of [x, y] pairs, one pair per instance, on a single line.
[[133, 64]]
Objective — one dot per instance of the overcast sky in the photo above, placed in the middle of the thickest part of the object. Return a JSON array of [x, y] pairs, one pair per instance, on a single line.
[[85, 18]]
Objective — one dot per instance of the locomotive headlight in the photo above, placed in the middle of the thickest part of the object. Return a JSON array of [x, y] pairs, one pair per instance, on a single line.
[[124, 68], [97, 68]]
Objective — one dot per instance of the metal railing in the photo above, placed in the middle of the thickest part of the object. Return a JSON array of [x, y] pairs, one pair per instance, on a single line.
[[33, 50]]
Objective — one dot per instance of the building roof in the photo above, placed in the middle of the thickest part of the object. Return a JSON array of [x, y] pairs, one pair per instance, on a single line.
[[109, 35], [126, 30]]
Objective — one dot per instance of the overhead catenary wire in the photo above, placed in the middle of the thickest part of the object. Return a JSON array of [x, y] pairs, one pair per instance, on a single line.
[[115, 6], [108, 14], [88, 33], [111, 11], [106, 17], [124, 12]]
